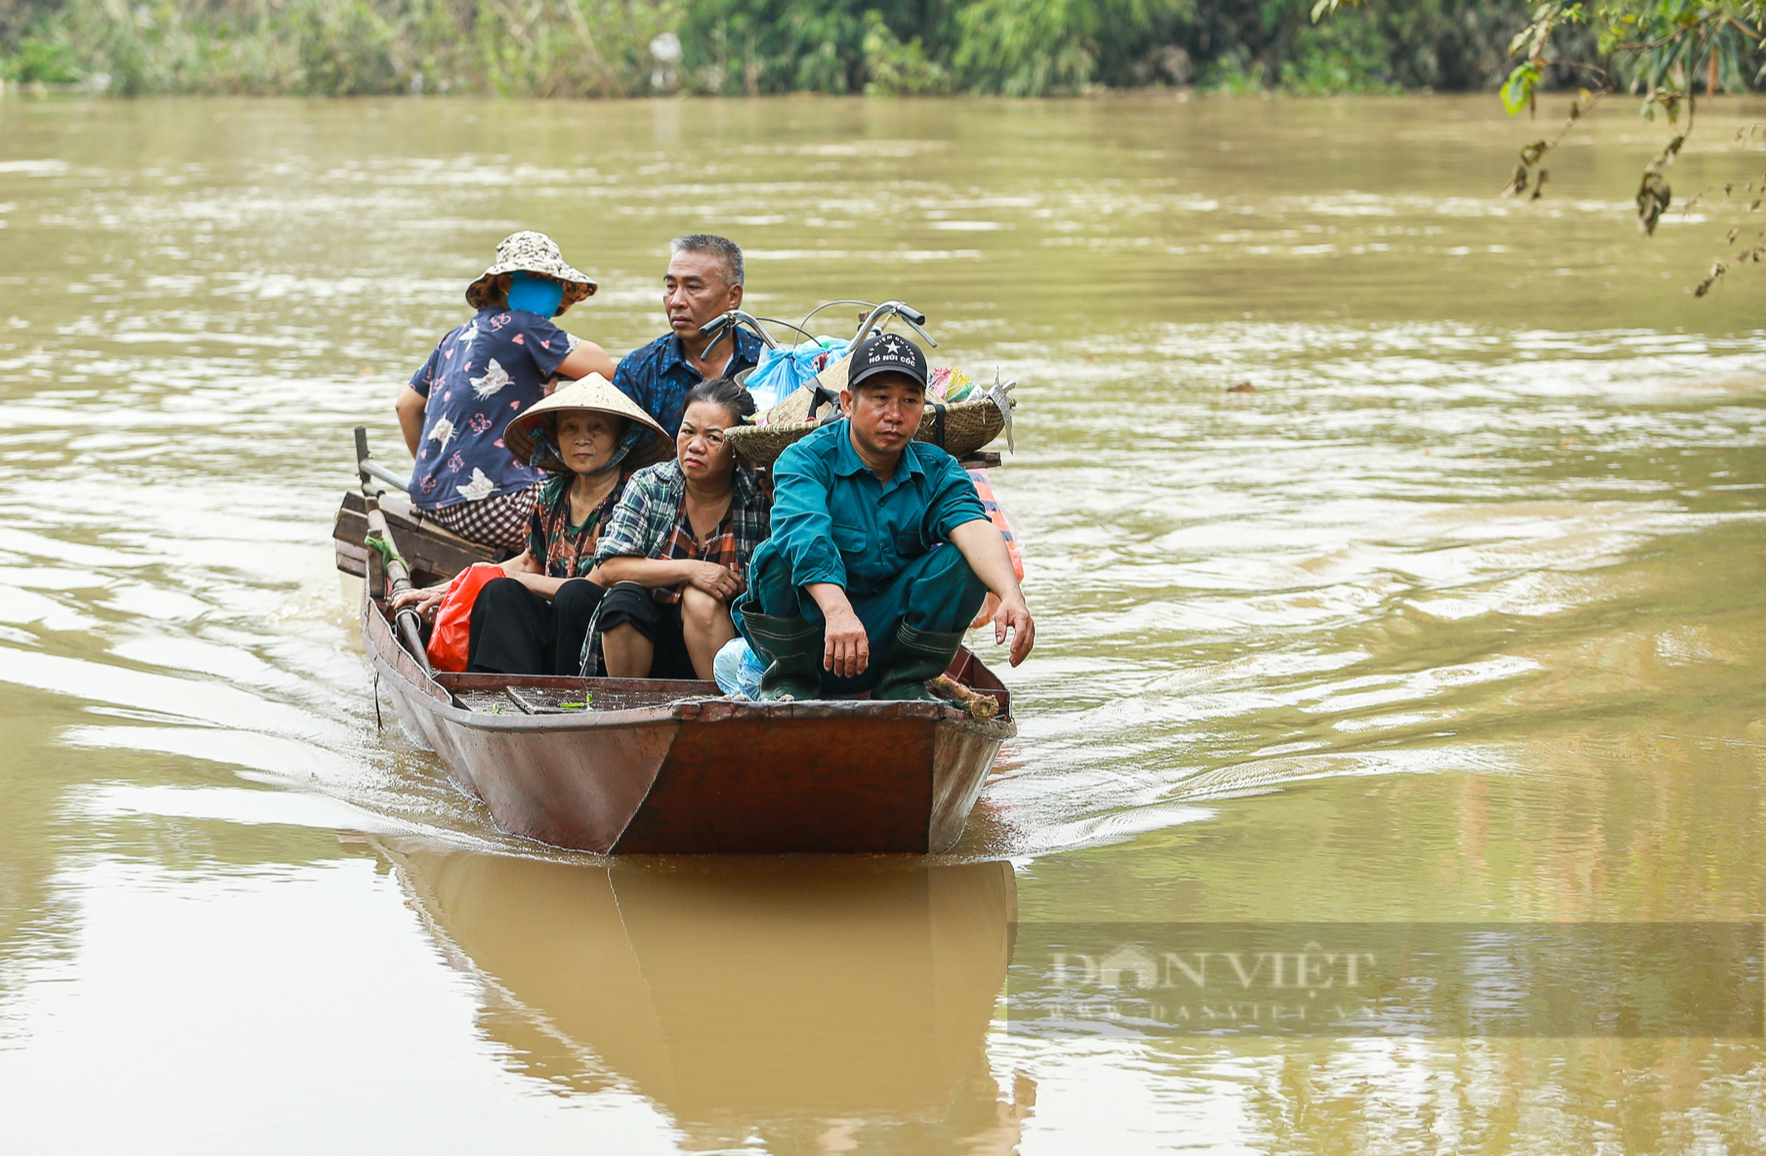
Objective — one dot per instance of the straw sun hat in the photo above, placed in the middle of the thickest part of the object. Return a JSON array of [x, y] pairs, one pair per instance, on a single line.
[[596, 393], [531, 252]]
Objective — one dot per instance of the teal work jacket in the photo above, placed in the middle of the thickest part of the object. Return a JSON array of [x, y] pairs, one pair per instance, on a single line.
[[834, 521]]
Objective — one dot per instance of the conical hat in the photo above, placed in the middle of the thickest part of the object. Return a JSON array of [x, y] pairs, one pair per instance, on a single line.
[[593, 392]]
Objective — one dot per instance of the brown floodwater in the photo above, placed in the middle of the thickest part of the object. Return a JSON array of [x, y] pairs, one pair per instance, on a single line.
[[1454, 616]]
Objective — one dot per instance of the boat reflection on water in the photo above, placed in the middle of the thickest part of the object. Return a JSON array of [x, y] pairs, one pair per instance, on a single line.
[[811, 1004]]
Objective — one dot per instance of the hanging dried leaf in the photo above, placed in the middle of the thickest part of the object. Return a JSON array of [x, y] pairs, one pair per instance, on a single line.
[[1704, 287], [1653, 197]]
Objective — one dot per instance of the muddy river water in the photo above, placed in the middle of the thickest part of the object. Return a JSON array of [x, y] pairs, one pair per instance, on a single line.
[[1453, 618]]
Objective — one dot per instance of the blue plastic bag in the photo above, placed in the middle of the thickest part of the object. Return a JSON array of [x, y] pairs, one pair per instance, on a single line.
[[781, 372], [737, 668]]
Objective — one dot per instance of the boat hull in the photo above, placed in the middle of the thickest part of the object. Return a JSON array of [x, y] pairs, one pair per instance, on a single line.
[[661, 767]]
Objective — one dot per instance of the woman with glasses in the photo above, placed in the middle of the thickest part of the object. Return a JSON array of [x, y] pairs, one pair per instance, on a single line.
[[674, 552]]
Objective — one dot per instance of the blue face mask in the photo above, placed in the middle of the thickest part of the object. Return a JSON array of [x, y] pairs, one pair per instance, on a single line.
[[535, 294]]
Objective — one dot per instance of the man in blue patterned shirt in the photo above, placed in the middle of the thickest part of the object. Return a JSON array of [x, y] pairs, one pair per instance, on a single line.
[[704, 281]]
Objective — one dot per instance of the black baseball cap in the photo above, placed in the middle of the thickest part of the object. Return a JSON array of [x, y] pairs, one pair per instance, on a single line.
[[886, 353]]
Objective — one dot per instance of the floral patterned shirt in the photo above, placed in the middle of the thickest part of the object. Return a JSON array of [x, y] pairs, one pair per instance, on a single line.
[[481, 375], [564, 550]]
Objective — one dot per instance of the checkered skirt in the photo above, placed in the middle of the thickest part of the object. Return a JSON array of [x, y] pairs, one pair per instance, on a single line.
[[500, 520]]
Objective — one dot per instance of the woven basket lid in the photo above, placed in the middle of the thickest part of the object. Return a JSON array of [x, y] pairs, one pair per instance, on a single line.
[[968, 425]]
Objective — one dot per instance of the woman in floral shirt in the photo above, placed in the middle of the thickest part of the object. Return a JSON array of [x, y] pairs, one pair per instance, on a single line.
[[481, 375]]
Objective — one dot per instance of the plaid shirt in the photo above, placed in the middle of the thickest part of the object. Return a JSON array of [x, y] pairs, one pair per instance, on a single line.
[[720, 548], [649, 521]]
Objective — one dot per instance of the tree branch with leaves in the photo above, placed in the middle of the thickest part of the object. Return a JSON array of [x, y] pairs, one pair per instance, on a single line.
[[1668, 53]]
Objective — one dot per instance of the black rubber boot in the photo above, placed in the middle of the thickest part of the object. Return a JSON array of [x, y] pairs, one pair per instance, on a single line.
[[916, 657], [793, 649]]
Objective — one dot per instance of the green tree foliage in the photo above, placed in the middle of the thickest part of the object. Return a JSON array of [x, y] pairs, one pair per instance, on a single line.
[[41, 62], [896, 69], [1450, 45], [1025, 48], [1669, 53], [906, 47], [831, 46], [338, 47], [1041, 47], [16, 16], [347, 47]]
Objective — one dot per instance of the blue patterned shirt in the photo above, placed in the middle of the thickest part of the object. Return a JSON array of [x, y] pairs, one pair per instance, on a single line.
[[479, 376], [658, 375]]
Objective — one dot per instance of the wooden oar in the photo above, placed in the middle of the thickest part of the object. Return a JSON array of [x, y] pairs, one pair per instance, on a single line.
[[398, 575]]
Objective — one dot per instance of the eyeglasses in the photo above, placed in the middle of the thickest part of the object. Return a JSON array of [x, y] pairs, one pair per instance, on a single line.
[[714, 437]]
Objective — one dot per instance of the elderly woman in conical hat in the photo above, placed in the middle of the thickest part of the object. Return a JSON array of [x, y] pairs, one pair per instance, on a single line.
[[591, 438], [485, 372]]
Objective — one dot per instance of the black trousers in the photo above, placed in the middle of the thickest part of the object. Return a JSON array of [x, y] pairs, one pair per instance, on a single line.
[[629, 604], [515, 631]]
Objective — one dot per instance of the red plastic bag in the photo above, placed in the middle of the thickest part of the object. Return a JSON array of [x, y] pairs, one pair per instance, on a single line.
[[453, 618]]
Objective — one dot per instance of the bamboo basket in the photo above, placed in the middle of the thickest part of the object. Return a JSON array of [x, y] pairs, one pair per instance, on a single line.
[[958, 429]]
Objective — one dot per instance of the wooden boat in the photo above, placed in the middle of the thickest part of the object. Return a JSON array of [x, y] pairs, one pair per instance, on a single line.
[[652, 766]]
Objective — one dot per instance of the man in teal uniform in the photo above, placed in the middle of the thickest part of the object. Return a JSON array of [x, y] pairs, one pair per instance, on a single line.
[[880, 553]]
